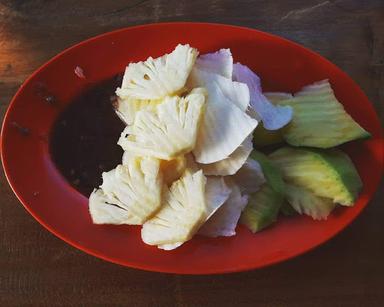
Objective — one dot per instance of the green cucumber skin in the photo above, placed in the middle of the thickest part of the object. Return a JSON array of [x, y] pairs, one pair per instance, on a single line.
[[264, 205], [287, 210], [296, 135], [271, 172], [302, 143], [338, 162], [305, 202], [344, 167], [262, 209]]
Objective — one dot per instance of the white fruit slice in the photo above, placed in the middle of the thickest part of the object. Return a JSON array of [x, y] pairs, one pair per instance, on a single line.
[[219, 62], [250, 177], [233, 163], [169, 132], [224, 127], [223, 222], [137, 186], [160, 77], [242, 73], [236, 92], [273, 117], [216, 193], [106, 209]]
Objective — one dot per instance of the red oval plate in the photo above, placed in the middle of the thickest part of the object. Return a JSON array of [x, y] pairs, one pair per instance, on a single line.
[[282, 65]]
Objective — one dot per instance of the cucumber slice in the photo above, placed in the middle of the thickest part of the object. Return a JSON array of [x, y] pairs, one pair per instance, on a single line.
[[326, 173], [264, 205], [262, 209], [287, 210], [271, 172], [319, 119], [305, 202]]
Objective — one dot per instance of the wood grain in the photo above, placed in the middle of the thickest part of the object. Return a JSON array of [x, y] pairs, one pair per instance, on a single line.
[[38, 269]]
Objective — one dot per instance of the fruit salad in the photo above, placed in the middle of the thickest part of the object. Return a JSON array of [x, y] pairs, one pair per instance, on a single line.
[[189, 165]]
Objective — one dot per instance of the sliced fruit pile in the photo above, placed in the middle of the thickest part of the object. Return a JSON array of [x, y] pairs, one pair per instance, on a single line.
[[189, 166]]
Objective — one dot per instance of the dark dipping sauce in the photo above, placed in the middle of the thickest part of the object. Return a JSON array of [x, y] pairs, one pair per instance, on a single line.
[[83, 142]]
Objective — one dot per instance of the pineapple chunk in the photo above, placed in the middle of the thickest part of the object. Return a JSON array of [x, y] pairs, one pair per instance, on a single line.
[[160, 77], [216, 195], [183, 211], [169, 132], [188, 204], [127, 108], [191, 163], [106, 209], [137, 186], [172, 170], [127, 157]]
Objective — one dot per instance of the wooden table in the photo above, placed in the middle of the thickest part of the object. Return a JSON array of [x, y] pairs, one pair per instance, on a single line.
[[36, 268]]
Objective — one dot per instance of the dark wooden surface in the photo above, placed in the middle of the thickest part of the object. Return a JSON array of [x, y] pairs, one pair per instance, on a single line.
[[36, 268]]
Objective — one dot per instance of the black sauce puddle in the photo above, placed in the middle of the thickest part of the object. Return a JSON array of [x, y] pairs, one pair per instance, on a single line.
[[83, 141]]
